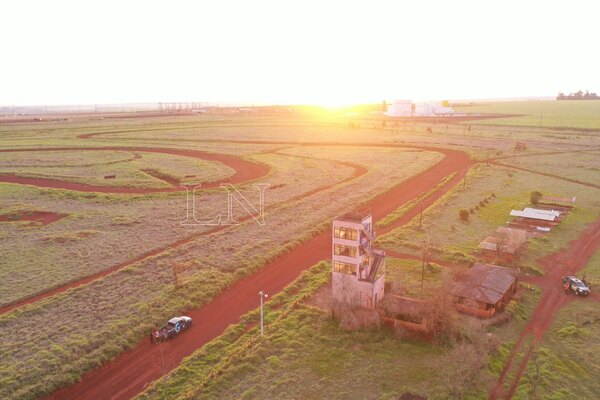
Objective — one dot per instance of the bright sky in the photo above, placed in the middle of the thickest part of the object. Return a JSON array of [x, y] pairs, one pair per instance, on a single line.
[[319, 52]]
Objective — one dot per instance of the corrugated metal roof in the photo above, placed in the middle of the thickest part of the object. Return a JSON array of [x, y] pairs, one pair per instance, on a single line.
[[486, 283], [539, 211], [532, 215], [490, 244]]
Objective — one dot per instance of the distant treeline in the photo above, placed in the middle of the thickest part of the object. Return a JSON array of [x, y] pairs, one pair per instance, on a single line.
[[578, 96]]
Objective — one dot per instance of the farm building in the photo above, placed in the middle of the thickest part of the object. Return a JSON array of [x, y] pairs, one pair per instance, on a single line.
[[399, 108], [430, 109], [405, 108], [536, 219], [485, 289], [358, 270], [507, 243]]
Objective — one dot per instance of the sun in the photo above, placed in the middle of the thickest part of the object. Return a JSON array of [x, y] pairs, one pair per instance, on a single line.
[[334, 104]]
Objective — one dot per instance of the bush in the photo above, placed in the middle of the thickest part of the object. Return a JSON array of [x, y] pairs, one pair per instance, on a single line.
[[535, 197], [463, 214]]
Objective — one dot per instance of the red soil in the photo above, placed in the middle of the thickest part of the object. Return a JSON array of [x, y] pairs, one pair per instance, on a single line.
[[567, 261], [244, 170], [130, 372], [358, 172], [45, 217]]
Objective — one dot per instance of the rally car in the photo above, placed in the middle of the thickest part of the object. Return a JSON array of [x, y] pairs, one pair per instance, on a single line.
[[173, 328], [574, 285]]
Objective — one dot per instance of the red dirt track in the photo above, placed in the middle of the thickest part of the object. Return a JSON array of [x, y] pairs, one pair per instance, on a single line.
[[358, 172], [45, 217], [244, 170], [129, 373], [567, 261]]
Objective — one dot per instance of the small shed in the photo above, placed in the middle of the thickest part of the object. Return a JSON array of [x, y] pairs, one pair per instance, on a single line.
[[485, 289], [507, 244]]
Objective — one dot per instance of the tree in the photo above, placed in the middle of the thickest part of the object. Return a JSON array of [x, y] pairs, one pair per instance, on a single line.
[[463, 214], [535, 197], [534, 375], [501, 246], [442, 317], [469, 358]]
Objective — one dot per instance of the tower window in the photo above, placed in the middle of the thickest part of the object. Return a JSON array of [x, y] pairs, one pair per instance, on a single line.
[[345, 233]]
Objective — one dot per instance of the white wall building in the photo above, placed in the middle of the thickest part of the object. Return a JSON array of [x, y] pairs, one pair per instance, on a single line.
[[358, 270], [430, 109], [399, 108], [404, 108]]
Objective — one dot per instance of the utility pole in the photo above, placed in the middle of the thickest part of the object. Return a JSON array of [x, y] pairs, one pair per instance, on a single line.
[[425, 253], [263, 296], [423, 271]]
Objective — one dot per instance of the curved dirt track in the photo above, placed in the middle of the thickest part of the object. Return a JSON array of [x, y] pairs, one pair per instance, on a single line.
[[359, 171], [244, 170], [129, 373], [565, 262]]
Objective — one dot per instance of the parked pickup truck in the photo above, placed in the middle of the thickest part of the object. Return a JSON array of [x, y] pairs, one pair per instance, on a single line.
[[173, 328]]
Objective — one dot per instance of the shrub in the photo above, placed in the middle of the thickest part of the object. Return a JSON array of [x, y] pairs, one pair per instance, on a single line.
[[463, 214], [535, 197]]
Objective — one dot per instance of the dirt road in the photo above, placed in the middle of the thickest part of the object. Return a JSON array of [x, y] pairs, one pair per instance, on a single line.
[[565, 262], [130, 372], [358, 171], [244, 170]]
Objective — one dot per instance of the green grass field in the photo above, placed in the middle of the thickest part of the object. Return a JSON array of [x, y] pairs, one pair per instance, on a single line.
[[130, 169], [564, 365], [552, 113], [302, 351], [103, 230], [489, 194], [581, 166], [305, 354]]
